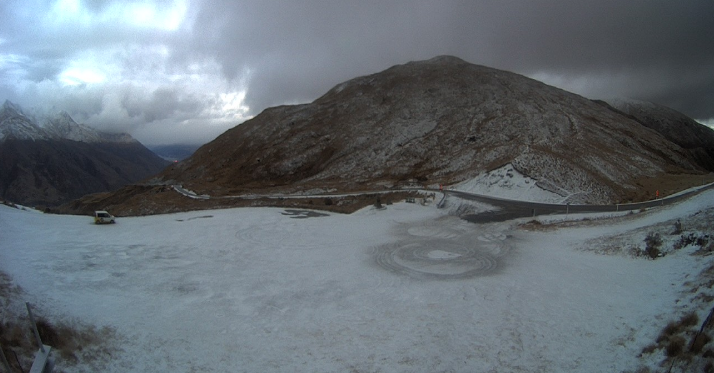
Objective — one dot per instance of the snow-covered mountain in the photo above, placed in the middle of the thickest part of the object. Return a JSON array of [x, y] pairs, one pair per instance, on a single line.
[[56, 159], [684, 131], [62, 126], [16, 124], [440, 121]]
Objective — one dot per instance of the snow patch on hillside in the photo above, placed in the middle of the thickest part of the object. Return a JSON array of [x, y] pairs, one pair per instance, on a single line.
[[506, 182]]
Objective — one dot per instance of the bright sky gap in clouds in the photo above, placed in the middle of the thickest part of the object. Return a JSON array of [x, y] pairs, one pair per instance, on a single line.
[[184, 71]]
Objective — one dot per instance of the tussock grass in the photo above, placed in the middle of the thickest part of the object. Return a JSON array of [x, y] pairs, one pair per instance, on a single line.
[[71, 342]]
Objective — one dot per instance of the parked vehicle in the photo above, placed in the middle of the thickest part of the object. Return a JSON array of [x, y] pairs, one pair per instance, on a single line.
[[103, 217]]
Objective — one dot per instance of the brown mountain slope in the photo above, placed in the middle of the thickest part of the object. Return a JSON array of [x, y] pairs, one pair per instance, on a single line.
[[439, 121], [62, 160], [51, 172], [696, 138]]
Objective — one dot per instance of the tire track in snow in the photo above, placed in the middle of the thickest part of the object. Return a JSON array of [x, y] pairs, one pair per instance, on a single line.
[[443, 250]]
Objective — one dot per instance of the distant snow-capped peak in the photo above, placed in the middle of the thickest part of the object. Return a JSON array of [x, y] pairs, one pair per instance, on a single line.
[[14, 123], [62, 126]]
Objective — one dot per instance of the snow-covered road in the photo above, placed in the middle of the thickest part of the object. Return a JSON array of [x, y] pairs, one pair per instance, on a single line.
[[404, 289]]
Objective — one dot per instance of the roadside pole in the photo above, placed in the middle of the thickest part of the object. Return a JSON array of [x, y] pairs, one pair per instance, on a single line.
[[42, 363]]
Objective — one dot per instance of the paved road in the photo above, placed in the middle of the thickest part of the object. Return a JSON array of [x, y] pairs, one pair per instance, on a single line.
[[510, 209], [506, 209]]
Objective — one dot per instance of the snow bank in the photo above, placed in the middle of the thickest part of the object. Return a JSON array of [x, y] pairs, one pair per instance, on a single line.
[[506, 182]]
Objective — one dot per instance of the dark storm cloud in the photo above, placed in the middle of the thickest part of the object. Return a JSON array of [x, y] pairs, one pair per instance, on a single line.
[[298, 50], [127, 64]]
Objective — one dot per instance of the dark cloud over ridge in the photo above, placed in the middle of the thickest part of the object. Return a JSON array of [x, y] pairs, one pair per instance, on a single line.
[[196, 68]]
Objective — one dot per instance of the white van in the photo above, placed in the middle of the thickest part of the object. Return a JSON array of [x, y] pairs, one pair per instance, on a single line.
[[103, 217]]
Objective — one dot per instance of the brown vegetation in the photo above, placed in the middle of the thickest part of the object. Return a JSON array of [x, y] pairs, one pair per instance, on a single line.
[[71, 343], [140, 200]]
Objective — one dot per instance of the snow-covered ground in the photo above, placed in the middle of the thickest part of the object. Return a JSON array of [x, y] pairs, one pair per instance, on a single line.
[[507, 182], [402, 289]]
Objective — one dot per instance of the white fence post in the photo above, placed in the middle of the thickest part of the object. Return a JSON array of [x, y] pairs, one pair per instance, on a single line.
[[42, 363]]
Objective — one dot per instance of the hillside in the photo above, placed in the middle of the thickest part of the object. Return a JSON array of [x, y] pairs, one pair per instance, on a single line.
[[440, 121], [695, 137], [61, 160]]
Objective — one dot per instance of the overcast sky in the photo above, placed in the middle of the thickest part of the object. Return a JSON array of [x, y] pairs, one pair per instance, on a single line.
[[184, 71]]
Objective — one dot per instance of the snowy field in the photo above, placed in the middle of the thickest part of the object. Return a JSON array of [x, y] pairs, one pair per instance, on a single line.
[[404, 289]]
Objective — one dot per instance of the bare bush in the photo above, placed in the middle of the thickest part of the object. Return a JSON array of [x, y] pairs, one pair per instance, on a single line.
[[698, 343], [635, 251], [689, 319], [675, 347], [653, 242], [669, 331]]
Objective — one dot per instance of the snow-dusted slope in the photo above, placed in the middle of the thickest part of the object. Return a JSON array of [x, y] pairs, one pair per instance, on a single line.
[[506, 182], [62, 126], [62, 160], [691, 135], [14, 123], [440, 121], [269, 290]]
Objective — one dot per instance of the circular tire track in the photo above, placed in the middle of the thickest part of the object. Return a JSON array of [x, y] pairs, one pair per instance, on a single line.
[[434, 259]]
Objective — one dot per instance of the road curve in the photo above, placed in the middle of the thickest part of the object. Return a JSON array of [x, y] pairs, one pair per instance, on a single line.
[[512, 209], [506, 209]]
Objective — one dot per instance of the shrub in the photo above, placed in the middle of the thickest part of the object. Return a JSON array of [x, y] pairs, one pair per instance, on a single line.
[[702, 240], [649, 349], [684, 241], [675, 346], [698, 343], [328, 201], [669, 331], [677, 227], [653, 242], [689, 319], [652, 252], [48, 333], [635, 251]]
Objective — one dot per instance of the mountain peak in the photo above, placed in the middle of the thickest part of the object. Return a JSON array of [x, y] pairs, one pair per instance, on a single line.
[[440, 121], [9, 106], [444, 59], [15, 124]]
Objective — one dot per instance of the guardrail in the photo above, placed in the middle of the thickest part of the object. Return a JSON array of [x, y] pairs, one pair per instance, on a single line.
[[511, 209]]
